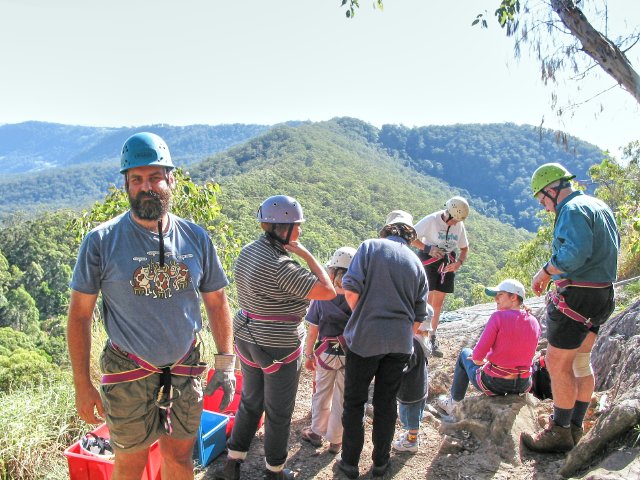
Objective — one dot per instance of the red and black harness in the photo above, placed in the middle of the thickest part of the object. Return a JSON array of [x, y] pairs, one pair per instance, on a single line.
[[446, 260], [505, 373], [276, 364], [331, 343], [558, 300], [165, 393]]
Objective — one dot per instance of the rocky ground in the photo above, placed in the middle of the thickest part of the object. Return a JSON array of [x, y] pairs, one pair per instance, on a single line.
[[481, 441]]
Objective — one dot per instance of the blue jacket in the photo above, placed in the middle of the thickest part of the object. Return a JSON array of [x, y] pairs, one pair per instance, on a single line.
[[393, 290], [585, 240]]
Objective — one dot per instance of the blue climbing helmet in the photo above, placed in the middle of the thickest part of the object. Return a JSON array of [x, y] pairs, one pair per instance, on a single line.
[[143, 149]]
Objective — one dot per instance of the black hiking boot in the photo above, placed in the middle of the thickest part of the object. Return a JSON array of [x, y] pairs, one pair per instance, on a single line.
[[230, 471]]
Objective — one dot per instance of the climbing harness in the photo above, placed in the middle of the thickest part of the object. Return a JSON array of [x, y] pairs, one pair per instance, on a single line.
[[326, 344], [276, 364], [446, 260], [555, 297], [165, 394], [503, 373]]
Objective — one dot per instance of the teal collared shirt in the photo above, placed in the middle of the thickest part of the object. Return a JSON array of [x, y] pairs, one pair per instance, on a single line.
[[585, 240]]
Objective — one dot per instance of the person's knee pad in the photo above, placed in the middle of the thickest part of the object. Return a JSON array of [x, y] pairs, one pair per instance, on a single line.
[[582, 365]]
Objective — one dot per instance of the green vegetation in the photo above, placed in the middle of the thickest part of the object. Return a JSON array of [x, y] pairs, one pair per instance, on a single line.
[[36, 424], [491, 164], [346, 186]]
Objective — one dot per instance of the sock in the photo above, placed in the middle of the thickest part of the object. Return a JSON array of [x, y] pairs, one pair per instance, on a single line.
[[562, 416], [579, 412]]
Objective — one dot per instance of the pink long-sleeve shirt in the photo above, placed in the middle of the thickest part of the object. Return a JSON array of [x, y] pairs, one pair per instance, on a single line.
[[509, 340]]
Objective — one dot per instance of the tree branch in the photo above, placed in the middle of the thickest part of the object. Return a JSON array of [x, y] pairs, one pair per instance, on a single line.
[[598, 47]]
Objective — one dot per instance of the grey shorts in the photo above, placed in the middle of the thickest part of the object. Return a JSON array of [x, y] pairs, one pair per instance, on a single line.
[[133, 418]]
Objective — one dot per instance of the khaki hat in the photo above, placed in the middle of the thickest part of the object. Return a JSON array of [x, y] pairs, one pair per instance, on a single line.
[[509, 285], [399, 216]]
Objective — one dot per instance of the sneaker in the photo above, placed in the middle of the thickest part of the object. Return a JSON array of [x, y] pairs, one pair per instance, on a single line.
[[335, 448], [435, 348], [553, 439], [577, 433], [446, 404], [404, 444], [230, 470], [309, 436], [351, 471]]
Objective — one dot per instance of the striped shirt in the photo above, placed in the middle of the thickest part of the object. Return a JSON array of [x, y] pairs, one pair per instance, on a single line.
[[270, 282]]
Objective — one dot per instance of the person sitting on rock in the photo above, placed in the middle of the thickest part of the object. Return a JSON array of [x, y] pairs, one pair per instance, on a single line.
[[501, 361]]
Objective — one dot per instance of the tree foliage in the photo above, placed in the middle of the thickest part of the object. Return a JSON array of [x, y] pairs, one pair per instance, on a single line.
[[563, 38], [619, 186], [346, 185]]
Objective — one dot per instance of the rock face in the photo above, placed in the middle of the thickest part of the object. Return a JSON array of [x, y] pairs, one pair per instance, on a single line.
[[616, 364], [496, 423]]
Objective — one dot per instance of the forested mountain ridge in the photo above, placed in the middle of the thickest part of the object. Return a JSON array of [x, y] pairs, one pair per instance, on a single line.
[[491, 164], [34, 146], [346, 186]]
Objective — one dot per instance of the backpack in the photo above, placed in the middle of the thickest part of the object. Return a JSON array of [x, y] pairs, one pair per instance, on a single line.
[[540, 379]]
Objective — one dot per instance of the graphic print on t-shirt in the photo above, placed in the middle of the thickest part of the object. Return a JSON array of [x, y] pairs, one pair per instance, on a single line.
[[152, 279]]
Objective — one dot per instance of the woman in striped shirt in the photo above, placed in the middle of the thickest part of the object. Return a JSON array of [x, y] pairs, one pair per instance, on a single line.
[[274, 292]]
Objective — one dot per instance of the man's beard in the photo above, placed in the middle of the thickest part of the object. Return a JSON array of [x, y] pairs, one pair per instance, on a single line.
[[150, 205]]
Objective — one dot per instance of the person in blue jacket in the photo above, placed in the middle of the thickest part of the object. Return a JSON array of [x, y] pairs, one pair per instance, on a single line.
[[386, 288], [583, 266]]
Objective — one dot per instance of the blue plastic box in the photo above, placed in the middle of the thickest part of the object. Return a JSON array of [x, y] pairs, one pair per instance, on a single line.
[[212, 437]]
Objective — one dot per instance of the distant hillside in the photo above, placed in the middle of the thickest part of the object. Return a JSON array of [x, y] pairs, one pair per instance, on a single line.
[[346, 187], [33, 146], [490, 164]]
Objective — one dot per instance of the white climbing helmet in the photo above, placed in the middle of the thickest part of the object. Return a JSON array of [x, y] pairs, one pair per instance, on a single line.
[[341, 258], [457, 208]]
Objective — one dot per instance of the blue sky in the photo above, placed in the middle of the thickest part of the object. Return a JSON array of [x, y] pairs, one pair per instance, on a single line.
[[180, 62]]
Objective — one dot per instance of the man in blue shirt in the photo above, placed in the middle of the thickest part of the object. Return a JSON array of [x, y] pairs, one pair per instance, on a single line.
[[152, 269], [386, 288], [583, 267]]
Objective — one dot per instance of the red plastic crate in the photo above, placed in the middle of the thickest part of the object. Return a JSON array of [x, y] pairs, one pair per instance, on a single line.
[[212, 402], [89, 467]]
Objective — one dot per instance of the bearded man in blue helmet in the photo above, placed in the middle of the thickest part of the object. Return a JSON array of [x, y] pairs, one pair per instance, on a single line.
[[152, 269]]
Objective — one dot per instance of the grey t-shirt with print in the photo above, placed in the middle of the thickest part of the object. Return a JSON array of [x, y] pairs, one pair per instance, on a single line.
[[149, 310]]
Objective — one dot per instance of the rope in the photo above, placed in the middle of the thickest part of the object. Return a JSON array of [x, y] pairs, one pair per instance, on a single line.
[[624, 282]]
